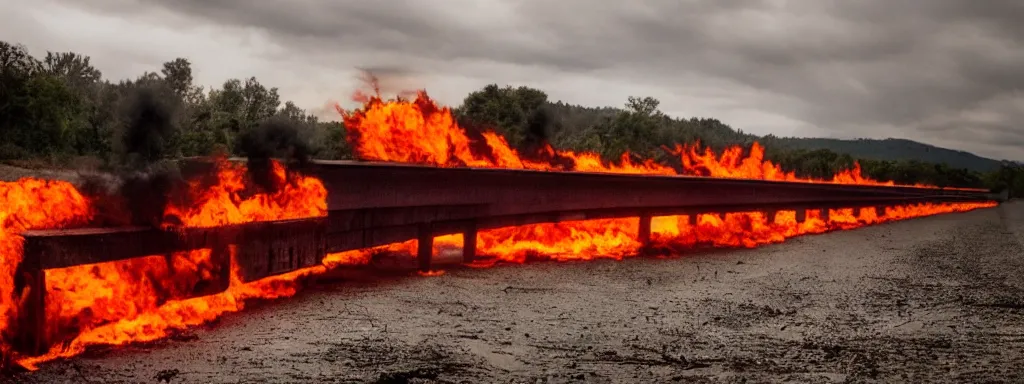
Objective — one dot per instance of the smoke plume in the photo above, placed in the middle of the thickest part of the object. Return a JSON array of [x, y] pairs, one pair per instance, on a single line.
[[142, 181], [276, 138], [150, 128]]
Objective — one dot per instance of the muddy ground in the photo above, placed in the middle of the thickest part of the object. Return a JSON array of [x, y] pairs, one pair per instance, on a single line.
[[932, 299], [13, 173]]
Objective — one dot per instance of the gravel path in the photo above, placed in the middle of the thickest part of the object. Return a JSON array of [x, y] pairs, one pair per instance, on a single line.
[[932, 299]]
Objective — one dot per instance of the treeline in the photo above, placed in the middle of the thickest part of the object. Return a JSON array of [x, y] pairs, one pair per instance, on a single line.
[[888, 149], [59, 109], [641, 128]]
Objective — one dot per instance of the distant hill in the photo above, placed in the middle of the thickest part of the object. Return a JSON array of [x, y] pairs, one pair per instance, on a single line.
[[575, 121], [891, 149]]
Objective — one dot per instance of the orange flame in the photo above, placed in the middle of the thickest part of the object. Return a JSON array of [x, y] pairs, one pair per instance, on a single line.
[[30, 204], [419, 131], [617, 238], [149, 298], [222, 203]]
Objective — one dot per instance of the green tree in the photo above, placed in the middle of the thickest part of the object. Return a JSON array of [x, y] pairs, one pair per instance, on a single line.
[[40, 114], [78, 74], [632, 131], [1009, 177], [177, 74], [506, 110]]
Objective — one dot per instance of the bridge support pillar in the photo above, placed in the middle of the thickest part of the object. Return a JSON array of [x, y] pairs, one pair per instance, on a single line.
[[824, 214], [220, 256], [856, 212], [880, 210], [469, 243], [801, 215], [644, 232], [693, 219], [424, 246], [33, 337], [770, 215]]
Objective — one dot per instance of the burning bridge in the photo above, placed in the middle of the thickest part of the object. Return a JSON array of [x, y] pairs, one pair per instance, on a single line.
[[372, 204]]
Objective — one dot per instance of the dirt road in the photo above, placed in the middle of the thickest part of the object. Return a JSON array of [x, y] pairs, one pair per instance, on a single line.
[[932, 299]]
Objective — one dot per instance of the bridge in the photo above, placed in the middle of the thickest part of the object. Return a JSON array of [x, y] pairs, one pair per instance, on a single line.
[[372, 204]]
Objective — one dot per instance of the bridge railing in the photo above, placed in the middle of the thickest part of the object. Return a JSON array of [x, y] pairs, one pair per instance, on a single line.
[[376, 204]]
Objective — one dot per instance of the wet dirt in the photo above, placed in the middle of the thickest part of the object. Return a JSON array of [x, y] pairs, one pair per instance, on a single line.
[[12, 173], [931, 299]]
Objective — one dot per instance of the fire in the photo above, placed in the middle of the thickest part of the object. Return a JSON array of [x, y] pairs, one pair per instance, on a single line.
[[673, 235], [30, 204], [732, 164], [149, 298], [421, 132], [752, 229], [222, 204]]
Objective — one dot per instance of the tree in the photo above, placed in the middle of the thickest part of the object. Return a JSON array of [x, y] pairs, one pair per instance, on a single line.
[[78, 74], [294, 113], [506, 110], [177, 74], [73, 68], [40, 114], [646, 107], [1009, 177], [632, 131], [260, 102]]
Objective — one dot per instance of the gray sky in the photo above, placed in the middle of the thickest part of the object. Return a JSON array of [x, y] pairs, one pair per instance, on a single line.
[[944, 72]]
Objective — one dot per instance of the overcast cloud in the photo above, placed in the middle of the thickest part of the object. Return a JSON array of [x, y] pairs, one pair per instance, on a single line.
[[944, 72]]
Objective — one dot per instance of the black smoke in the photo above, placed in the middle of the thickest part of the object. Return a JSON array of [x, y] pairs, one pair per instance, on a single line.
[[142, 180], [150, 127], [534, 145], [540, 125], [276, 138], [478, 146]]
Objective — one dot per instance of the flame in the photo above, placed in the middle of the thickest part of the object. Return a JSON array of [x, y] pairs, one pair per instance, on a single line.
[[30, 204], [420, 131], [145, 299], [617, 238], [149, 298], [222, 204]]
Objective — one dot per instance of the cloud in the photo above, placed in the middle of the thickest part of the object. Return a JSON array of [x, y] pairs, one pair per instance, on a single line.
[[945, 72]]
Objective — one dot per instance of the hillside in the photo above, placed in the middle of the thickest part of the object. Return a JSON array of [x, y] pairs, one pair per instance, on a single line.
[[575, 119], [890, 149]]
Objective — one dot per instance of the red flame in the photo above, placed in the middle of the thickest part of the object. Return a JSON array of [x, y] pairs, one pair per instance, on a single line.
[[149, 298], [145, 299], [30, 204], [419, 131], [617, 238]]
